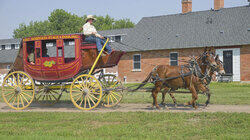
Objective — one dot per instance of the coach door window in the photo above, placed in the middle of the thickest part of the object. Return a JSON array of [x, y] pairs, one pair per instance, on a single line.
[[174, 59], [30, 45], [69, 50], [137, 62], [49, 48]]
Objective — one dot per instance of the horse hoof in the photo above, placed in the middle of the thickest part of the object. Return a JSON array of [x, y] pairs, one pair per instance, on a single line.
[[195, 107], [175, 105], [157, 107]]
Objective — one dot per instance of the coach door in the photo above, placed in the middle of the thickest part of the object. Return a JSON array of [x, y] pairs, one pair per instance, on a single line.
[[228, 61], [49, 59]]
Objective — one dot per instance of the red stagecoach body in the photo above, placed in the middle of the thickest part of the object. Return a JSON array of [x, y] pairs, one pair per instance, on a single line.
[[68, 56]]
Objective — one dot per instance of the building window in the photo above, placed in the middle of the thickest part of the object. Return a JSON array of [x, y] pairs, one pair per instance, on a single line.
[[12, 46], [17, 46], [137, 62], [174, 59], [3, 47], [8, 47], [118, 38], [8, 67]]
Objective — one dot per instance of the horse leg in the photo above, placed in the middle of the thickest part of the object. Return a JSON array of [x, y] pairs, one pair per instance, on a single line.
[[173, 98], [154, 94], [208, 97], [194, 96], [163, 96]]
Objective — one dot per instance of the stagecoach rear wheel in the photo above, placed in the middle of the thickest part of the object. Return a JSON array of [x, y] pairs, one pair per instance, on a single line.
[[47, 95], [86, 92], [113, 90], [18, 90]]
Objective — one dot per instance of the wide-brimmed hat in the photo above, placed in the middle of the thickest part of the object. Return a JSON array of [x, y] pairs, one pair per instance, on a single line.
[[90, 17]]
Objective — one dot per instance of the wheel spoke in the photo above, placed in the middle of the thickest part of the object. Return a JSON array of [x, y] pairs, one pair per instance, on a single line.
[[81, 101], [85, 101], [78, 87], [18, 79], [78, 98], [93, 96], [21, 99], [115, 83], [39, 97], [17, 101], [76, 95], [9, 93], [11, 98], [14, 100], [11, 83], [14, 79], [89, 102], [25, 98], [111, 99], [114, 96], [8, 89], [91, 99], [27, 94]]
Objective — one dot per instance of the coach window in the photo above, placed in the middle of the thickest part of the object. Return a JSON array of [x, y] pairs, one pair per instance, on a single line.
[[49, 48], [30, 45], [137, 62], [173, 58], [69, 50]]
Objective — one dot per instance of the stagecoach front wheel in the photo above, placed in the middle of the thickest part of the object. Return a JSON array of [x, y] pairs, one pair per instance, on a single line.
[[113, 90], [18, 90], [86, 92]]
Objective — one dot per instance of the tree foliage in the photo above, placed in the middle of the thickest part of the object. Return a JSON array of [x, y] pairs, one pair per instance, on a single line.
[[63, 22]]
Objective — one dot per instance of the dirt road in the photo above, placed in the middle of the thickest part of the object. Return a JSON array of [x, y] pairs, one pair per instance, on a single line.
[[131, 107]]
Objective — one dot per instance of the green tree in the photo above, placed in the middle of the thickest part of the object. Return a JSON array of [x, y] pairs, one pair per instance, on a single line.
[[63, 22]]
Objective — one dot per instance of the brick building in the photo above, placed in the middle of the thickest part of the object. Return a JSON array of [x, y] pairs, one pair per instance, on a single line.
[[169, 39]]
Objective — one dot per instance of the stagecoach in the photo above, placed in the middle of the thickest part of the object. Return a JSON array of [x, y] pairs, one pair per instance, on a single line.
[[62, 63]]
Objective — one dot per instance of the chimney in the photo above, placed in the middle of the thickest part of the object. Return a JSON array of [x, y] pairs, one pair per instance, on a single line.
[[218, 4], [186, 6]]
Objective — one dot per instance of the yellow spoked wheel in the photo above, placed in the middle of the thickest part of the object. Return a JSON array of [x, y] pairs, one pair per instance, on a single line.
[[113, 90], [18, 90], [86, 92], [46, 95]]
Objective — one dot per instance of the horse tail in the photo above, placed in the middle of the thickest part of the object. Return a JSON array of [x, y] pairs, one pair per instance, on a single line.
[[144, 82]]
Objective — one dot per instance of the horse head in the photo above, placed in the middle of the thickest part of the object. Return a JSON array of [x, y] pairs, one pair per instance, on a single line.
[[219, 68], [208, 58]]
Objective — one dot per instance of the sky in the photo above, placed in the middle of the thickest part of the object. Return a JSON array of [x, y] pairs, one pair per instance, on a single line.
[[14, 12]]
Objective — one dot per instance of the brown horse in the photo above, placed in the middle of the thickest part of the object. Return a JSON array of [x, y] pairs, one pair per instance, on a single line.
[[174, 77], [208, 73]]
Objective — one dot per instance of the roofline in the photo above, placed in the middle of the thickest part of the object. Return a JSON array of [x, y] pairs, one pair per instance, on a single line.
[[195, 12]]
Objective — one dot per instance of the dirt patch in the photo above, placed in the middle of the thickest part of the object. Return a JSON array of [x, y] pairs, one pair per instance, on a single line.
[[131, 107]]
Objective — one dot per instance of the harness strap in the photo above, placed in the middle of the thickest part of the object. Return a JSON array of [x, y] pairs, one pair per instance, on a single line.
[[182, 77]]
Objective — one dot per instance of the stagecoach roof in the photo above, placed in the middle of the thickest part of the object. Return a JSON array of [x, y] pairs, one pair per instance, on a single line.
[[224, 27]]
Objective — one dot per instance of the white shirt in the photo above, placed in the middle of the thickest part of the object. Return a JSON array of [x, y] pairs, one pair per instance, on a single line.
[[89, 29]]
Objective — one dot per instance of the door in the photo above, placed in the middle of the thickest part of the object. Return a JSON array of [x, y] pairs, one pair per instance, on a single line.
[[49, 60], [228, 61]]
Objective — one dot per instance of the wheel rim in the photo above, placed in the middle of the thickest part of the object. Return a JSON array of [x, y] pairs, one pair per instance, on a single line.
[[113, 92], [86, 92], [18, 90], [47, 96]]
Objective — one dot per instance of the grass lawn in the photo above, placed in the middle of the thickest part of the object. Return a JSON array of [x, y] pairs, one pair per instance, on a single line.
[[222, 93], [117, 125]]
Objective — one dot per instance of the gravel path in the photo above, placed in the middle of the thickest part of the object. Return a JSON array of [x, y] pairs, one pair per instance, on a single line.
[[131, 107]]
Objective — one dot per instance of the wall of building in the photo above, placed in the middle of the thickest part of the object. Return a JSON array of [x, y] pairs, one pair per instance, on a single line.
[[245, 62], [149, 59], [3, 68]]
